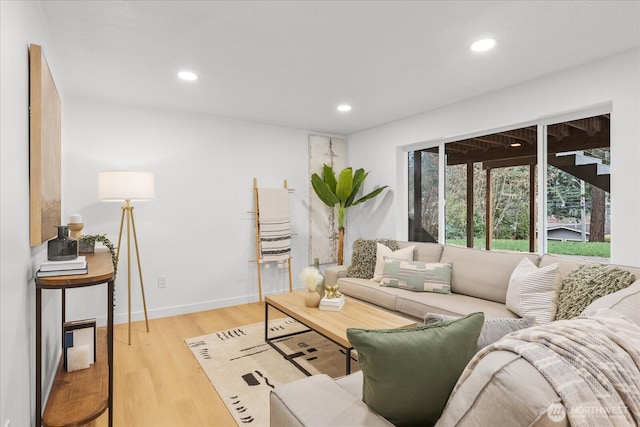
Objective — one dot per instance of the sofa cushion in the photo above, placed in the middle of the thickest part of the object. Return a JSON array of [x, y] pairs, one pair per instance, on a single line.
[[369, 291], [492, 330], [502, 390], [363, 257], [586, 284], [482, 274], [417, 276], [418, 304], [383, 252], [569, 263], [534, 291], [566, 263], [352, 384], [427, 252], [319, 401], [409, 373], [626, 302]]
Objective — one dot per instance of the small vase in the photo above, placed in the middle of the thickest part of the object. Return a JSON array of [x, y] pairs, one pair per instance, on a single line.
[[63, 247], [312, 299]]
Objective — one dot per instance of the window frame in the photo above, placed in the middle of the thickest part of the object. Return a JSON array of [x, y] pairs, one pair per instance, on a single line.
[[541, 124]]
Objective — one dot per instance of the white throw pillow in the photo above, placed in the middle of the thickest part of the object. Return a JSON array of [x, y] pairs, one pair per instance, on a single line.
[[534, 291], [382, 251]]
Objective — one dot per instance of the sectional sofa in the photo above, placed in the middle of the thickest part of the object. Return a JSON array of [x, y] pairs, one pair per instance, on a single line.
[[503, 388]]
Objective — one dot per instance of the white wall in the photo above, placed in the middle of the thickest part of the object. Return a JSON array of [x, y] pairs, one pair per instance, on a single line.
[[614, 80], [197, 232], [21, 24]]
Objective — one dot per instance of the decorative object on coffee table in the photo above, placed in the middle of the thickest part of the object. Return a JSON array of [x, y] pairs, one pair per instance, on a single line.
[[126, 186], [312, 279], [312, 299], [340, 193], [331, 304]]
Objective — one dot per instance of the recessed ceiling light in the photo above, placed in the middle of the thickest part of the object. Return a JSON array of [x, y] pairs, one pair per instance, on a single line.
[[344, 108], [483, 45], [187, 75], [515, 144]]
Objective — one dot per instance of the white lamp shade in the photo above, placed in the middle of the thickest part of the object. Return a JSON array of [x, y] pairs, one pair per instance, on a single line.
[[115, 186]]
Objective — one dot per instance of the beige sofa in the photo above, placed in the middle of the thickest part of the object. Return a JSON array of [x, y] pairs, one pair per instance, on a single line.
[[503, 389], [479, 281]]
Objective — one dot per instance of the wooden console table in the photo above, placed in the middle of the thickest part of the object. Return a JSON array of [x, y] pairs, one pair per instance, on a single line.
[[78, 397]]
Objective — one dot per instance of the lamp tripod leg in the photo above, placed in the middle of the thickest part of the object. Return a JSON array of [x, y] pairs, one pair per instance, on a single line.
[[144, 300], [125, 211], [129, 268]]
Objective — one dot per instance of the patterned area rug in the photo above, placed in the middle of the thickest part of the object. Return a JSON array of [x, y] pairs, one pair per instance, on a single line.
[[243, 368]]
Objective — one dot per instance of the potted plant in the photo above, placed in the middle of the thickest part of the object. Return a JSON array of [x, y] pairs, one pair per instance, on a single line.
[[341, 194], [87, 244]]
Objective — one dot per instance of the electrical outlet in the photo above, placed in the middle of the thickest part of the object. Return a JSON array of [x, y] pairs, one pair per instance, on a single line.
[[162, 282]]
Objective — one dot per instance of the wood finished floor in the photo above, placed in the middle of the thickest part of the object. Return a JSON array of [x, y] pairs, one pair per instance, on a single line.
[[158, 382]]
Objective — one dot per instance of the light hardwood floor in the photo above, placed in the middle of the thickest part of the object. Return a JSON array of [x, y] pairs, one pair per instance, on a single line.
[[158, 382]]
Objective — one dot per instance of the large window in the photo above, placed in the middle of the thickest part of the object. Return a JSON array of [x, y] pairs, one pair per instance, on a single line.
[[491, 185], [578, 185]]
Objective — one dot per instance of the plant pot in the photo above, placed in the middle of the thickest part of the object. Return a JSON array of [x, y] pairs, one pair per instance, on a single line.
[[86, 247]]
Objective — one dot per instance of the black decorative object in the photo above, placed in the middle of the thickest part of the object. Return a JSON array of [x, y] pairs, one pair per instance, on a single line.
[[63, 247]]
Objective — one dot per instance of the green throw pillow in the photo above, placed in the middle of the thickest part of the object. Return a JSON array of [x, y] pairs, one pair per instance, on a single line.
[[417, 275], [410, 373], [363, 257]]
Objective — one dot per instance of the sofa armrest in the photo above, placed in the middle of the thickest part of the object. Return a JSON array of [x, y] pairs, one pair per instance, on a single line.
[[332, 274], [319, 401]]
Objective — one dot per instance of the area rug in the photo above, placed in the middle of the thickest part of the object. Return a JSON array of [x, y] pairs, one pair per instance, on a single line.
[[243, 368]]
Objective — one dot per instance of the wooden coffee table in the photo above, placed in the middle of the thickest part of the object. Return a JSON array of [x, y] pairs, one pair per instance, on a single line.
[[330, 324]]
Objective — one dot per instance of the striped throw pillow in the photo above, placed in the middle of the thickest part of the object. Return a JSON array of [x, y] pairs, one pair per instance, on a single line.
[[417, 275], [534, 291]]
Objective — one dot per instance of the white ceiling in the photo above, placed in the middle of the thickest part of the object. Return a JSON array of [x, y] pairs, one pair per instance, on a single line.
[[290, 63]]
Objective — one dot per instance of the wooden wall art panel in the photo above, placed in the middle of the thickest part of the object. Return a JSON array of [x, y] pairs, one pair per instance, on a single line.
[[45, 173]]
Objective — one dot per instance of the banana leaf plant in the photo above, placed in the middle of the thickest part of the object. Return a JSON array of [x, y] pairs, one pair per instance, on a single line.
[[341, 194]]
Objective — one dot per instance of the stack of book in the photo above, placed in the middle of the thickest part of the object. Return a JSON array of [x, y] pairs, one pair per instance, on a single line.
[[63, 268], [331, 304]]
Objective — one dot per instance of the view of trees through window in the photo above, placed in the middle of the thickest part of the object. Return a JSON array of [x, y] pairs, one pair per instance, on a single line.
[[499, 170]]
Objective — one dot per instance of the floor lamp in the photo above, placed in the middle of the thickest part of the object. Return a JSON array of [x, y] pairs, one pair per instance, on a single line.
[[128, 186]]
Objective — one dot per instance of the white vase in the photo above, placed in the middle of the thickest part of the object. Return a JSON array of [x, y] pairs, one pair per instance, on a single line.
[[312, 299]]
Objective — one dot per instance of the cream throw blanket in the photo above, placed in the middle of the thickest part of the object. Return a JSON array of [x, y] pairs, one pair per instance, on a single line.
[[275, 227], [593, 364]]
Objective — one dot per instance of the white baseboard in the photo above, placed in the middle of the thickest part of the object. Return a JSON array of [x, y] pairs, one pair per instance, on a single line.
[[177, 310]]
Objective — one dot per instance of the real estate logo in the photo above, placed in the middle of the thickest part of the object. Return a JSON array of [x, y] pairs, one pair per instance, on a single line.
[[556, 412]]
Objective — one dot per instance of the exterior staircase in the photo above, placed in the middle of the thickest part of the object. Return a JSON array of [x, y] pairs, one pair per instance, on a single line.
[[584, 167]]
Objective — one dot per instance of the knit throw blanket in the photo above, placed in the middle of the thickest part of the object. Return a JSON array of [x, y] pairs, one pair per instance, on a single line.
[[593, 364], [274, 223]]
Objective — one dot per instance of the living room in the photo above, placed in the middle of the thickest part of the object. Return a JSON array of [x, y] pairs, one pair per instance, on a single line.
[[198, 234]]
